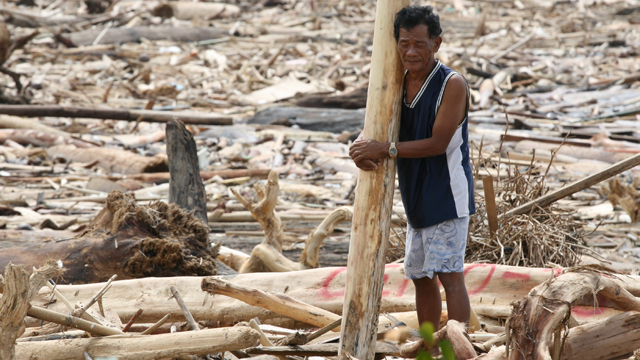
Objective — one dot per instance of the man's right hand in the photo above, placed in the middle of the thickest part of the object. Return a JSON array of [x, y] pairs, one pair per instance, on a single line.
[[367, 165]]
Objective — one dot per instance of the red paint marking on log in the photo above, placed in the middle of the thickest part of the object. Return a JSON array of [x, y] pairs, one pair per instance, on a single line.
[[324, 290], [384, 281], [581, 311], [515, 276], [486, 280]]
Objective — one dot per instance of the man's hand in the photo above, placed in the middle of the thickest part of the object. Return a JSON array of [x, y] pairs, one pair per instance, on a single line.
[[367, 154]]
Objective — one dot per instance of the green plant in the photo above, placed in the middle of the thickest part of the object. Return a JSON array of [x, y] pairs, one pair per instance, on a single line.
[[446, 351]]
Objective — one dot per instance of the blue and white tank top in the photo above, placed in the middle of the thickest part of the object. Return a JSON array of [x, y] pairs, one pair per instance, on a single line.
[[438, 188]]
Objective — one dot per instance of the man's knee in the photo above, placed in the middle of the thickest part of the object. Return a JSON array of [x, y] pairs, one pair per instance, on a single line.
[[452, 281]]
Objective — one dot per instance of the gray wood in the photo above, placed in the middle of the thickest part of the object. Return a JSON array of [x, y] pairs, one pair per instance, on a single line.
[[185, 184], [332, 120], [152, 33]]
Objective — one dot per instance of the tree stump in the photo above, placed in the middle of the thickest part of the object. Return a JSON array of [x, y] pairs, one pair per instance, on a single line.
[[185, 184]]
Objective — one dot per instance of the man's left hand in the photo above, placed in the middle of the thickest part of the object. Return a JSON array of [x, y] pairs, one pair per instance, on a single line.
[[362, 150]]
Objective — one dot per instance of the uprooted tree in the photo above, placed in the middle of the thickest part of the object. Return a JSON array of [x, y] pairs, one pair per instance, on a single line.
[[129, 240]]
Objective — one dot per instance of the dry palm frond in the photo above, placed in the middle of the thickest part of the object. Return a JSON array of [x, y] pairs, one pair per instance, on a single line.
[[545, 237]]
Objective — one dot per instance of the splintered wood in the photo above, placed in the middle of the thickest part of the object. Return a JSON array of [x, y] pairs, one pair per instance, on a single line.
[[272, 92]]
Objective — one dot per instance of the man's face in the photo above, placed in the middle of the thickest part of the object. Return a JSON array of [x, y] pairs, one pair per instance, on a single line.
[[417, 48]]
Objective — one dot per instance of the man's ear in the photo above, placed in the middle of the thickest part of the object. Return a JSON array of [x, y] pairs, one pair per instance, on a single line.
[[436, 44]]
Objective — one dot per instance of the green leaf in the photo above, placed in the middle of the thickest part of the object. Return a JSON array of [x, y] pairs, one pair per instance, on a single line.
[[426, 331], [423, 355], [447, 350]]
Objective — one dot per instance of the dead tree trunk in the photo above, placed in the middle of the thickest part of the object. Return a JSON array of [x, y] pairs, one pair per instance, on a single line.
[[374, 192], [185, 184]]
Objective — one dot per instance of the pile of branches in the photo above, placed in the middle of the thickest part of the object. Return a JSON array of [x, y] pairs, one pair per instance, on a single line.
[[545, 237]]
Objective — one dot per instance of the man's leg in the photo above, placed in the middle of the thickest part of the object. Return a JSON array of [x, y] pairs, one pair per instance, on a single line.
[[428, 301], [458, 307]]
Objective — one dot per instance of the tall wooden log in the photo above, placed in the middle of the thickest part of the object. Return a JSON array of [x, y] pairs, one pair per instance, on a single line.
[[185, 185], [374, 192]]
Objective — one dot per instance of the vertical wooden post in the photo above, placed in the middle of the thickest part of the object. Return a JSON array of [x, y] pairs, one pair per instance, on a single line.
[[490, 204], [374, 192]]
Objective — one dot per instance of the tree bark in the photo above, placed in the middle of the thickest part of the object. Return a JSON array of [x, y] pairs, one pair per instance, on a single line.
[[115, 114], [18, 291], [141, 347], [374, 192], [185, 184]]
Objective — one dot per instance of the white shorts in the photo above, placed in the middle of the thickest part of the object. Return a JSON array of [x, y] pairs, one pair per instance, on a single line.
[[436, 249]]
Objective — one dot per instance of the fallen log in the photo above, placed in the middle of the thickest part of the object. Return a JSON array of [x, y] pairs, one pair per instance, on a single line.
[[537, 317], [41, 138], [157, 177], [582, 184], [141, 347], [190, 117], [381, 349], [14, 122], [490, 287], [374, 193], [189, 10], [185, 185], [112, 160], [333, 120], [611, 338], [280, 303], [128, 240], [18, 291], [356, 99], [135, 34]]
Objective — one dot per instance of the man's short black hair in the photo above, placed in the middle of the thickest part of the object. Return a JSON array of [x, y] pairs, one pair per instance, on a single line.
[[412, 16]]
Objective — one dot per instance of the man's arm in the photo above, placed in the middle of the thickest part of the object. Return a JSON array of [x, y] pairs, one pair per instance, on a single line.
[[451, 113]]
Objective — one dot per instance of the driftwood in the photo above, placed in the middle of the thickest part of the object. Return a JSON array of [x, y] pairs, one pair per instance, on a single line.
[[71, 321], [115, 114], [280, 303], [41, 138], [135, 34], [156, 177], [381, 349], [333, 120], [185, 185], [14, 122], [128, 240], [353, 100], [323, 288], [18, 291], [374, 193], [141, 347], [537, 319], [113, 160], [188, 10], [582, 184], [267, 256]]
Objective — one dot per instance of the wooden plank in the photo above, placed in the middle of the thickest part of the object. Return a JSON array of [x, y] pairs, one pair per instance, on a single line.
[[490, 203], [374, 193]]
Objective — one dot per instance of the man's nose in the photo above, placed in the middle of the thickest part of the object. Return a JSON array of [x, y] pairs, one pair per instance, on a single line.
[[412, 51]]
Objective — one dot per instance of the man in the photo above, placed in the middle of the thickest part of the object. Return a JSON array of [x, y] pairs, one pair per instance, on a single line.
[[434, 172]]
